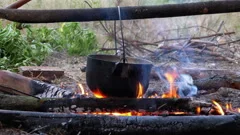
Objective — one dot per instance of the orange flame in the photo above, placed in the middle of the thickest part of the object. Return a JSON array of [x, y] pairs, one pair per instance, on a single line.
[[229, 107], [82, 89], [140, 90], [198, 110], [238, 110], [98, 94], [173, 89], [218, 108]]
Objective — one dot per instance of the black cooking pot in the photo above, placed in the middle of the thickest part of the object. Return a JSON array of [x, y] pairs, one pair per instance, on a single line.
[[116, 79]]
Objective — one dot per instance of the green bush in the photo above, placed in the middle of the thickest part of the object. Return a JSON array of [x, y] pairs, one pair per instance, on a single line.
[[18, 49], [76, 40], [70, 36]]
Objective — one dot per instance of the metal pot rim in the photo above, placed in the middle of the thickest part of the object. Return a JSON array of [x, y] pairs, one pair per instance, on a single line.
[[115, 58]]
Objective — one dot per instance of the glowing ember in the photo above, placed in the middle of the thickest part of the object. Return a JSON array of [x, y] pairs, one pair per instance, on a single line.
[[113, 113], [132, 113], [140, 90], [179, 113], [198, 110], [173, 89], [122, 114], [154, 96], [218, 108], [98, 94]]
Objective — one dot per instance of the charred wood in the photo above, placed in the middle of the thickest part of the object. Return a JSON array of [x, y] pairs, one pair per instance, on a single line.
[[81, 105], [119, 105], [122, 125], [140, 12]]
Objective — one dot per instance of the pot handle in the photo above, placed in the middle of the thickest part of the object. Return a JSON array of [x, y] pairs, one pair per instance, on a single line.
[[122, 70]]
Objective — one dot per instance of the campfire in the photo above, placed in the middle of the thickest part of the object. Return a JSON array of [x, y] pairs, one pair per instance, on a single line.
[[84, 109], [172, 94]]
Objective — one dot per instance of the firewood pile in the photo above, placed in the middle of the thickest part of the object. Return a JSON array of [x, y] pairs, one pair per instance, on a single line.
[[210, 45]]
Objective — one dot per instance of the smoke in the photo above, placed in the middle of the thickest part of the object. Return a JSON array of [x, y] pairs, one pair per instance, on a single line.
[[185, 86]]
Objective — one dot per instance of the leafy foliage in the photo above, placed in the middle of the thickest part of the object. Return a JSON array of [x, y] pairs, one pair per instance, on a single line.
[[70, 36], [16, 51], [76, 40], [19, 49]]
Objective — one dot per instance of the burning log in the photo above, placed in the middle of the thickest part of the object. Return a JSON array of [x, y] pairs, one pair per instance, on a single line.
[[140, 12], [123, 105], [121, 125], [82, 105]]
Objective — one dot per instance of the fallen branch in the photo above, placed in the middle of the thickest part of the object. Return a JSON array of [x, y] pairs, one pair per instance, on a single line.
[[179, 48], [200, 37], [141, 43]]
